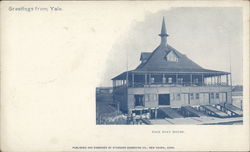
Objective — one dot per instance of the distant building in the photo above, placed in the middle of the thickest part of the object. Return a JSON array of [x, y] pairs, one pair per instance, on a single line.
[[237, 96], [104, 94], [105, 90], [168, 78]]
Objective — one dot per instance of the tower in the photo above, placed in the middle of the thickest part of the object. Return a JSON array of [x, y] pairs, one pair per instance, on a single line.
[[163, 34]]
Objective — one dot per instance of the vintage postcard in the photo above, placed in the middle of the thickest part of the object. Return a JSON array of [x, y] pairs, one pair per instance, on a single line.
[[124, 76]]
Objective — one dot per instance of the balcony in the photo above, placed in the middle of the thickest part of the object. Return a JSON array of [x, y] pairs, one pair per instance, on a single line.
[[170, 80]]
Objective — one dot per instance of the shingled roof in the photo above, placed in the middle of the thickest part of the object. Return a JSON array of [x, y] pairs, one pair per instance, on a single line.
[[157, 61]]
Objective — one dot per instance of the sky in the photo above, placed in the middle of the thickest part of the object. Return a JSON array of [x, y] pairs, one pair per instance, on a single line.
[[207, 35]]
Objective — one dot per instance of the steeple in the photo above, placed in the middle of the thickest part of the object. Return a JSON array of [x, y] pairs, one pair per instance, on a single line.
[[163, 34]]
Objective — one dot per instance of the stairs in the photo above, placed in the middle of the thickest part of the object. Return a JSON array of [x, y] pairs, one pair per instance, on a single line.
[[210, 110], [171, 113], [229, 107], [193, 111]]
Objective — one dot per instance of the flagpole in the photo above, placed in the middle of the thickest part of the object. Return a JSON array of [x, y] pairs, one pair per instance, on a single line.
[[231, 82]]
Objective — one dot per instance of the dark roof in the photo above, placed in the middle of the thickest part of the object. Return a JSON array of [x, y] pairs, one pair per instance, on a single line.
[[157, 62], [145, 55]]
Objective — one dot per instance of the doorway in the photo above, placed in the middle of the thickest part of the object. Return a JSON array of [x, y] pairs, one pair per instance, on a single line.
[[139, 100], [164, 99]]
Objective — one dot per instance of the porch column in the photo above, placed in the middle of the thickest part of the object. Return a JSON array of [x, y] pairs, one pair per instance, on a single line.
[[149, 79], [127, 79], [231, 83], [191, 79], [146, 79], [163, 79], [176, 81], [220, 79], [227, 79], [202, 79], [211, 80], [217, 80], [155, 113], [133, 79]]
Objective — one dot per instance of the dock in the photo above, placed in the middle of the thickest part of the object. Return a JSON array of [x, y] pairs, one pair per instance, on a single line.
[[210, 110], [206, 120]]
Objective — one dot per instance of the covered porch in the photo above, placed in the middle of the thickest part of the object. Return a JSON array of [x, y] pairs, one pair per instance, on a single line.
[[146, 79]]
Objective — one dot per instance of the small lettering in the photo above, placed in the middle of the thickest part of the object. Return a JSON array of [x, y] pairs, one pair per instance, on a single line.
[[35, 9]]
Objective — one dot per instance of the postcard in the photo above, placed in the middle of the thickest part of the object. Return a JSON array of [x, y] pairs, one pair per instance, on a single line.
[[124, 76]]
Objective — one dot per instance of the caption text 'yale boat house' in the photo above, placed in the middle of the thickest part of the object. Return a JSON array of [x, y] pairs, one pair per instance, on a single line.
[[167, 78]]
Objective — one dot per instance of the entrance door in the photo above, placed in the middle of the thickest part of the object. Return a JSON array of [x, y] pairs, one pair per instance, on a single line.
[[139, 100], [186, 99], [164, 99]]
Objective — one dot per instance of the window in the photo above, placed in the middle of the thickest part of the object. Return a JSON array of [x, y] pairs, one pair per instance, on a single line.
[[172, 57], [170, 80], [212, 95], [196, 81], [152, 80], [217, 96], [179, 80], [197, 96], [163, 80], [178, 96], [191, 96], [139, 100]]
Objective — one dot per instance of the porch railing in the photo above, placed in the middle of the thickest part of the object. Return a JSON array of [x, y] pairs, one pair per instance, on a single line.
[[139, 85]]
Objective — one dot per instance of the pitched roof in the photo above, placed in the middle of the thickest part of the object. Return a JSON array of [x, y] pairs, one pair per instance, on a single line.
[[157, 61]]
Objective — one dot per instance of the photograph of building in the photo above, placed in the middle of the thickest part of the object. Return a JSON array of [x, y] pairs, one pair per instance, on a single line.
[[167, 87]]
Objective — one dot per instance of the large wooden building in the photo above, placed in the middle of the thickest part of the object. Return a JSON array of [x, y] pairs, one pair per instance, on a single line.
[[168, 78]]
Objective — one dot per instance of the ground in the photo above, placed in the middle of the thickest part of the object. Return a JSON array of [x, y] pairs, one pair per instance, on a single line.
[[106, 111]]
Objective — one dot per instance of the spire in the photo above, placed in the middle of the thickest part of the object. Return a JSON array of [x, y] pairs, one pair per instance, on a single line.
[[163, 34]]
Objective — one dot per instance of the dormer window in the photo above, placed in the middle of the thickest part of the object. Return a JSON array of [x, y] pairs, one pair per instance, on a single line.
[[171, 56]]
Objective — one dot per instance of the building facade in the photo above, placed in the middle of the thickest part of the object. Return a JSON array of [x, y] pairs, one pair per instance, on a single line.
[[168, 78]]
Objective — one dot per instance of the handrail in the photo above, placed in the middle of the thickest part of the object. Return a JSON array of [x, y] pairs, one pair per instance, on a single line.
[[141, 84], [138, 85]]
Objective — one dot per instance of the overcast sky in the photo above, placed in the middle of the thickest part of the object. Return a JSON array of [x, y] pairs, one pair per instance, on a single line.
[[205, 35]]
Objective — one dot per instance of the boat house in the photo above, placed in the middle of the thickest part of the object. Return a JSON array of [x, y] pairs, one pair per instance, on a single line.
[[166, 78]]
